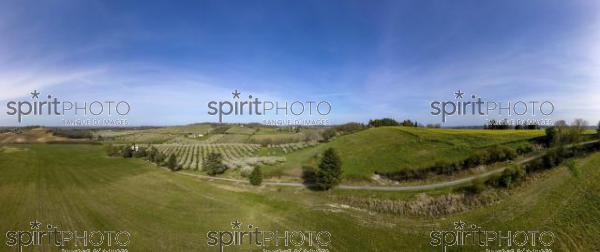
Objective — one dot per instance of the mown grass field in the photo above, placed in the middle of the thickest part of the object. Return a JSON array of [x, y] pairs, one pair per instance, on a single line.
[[78, 188], [388, 149]]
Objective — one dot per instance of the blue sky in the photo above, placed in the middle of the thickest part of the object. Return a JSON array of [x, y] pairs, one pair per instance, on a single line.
[[368, 58]]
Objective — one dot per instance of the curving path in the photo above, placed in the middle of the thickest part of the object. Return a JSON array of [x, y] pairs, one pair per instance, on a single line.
[[386, 188]]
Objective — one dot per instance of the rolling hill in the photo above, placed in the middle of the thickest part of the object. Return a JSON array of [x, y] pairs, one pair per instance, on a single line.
[[78, 187], [33, 135], [388, 149]]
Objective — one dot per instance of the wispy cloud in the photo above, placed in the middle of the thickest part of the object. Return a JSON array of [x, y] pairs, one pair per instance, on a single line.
[[396, 59]]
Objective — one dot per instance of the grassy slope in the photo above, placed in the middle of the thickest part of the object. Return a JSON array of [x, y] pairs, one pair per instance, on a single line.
[[398, 148], [78, 188], [560, 202], [556, 201]]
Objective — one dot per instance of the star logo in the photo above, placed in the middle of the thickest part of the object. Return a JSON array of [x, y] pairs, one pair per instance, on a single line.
[[459, 94], [35, 94], [35, 224], [236, 224], [459, 224], [236, 94]]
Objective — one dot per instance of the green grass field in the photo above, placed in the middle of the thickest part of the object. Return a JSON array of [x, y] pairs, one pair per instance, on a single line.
[[78, 188], [567, 205], [388, 149]]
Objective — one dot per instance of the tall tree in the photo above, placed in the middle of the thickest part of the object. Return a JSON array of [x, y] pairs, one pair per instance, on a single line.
[[172, 162], [551, 136], [127, 152], [256, 176], [330, 170], [214, 164]]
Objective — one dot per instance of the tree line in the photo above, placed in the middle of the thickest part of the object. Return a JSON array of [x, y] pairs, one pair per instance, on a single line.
[[327, 176]]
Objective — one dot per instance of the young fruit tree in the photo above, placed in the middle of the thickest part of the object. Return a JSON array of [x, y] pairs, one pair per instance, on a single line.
[[330, 170]]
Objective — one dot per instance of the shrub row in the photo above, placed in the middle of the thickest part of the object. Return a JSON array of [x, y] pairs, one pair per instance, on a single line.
[[151, 154], [513, 175], [72, 133], [556, 156], [349, 128], [489, 156]]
